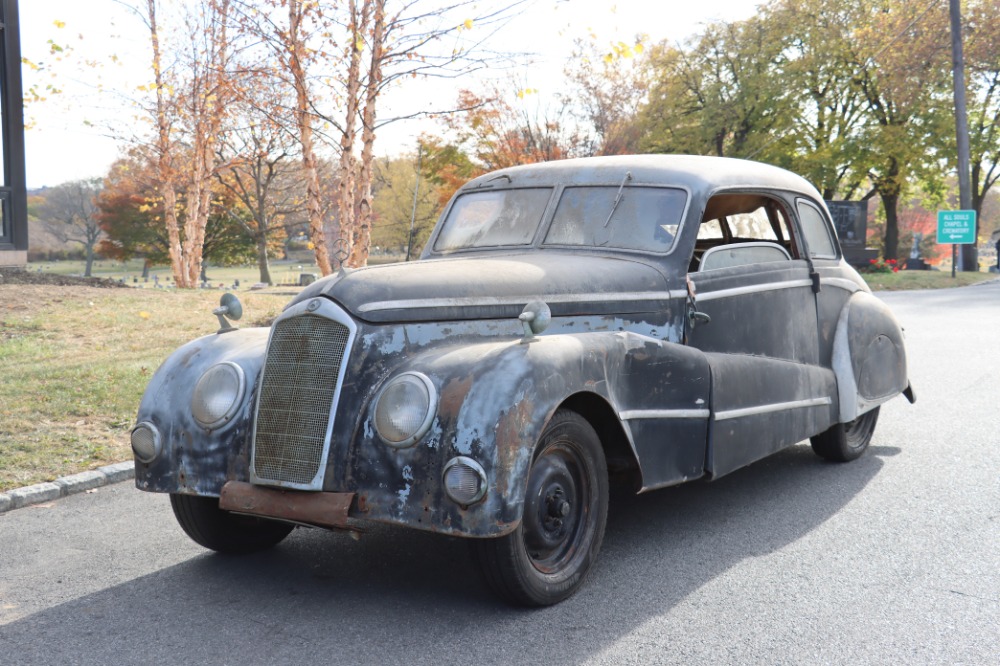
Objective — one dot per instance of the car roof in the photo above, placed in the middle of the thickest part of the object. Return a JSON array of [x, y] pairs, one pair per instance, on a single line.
[[699, 173]]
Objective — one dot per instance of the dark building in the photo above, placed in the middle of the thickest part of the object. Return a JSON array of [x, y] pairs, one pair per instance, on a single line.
[[13, 192]]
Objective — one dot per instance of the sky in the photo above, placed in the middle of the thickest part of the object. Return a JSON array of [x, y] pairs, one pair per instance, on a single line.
[[79, 132]]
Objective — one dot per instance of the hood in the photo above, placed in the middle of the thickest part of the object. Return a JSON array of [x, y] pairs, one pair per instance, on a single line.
[[495, 287]]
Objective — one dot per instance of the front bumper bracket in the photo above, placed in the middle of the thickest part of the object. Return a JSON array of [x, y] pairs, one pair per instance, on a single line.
[[321, 509]]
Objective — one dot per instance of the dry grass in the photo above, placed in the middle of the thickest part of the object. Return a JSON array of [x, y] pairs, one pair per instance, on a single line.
[[74, 362]]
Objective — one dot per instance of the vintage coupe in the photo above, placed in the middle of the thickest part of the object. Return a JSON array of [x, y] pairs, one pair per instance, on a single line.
[[647, 319]]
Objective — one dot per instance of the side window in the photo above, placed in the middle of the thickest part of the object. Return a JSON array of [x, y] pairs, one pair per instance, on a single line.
[[816, 232]]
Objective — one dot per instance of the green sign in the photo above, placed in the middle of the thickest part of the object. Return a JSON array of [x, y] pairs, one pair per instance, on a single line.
[[956, 227]]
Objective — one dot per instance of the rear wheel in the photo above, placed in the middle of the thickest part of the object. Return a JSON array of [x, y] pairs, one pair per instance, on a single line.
[[548, 556], [211, 527], [846, 441]]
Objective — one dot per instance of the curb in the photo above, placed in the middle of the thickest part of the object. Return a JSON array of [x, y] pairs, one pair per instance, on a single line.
[[67, 485]]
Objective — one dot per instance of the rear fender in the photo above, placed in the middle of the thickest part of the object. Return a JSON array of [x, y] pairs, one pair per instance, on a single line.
[[869, 356]]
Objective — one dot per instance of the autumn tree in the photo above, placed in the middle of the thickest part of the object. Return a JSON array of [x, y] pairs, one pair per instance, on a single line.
[[402, 197], [131, 216], [190, 100], [822, 135], [900, 64], [341, 57], [494, 130], [982, 44], [69, 213], [607, 89], [719, 96]]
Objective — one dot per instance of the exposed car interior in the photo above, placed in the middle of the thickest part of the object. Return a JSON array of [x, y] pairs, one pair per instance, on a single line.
[[740, 229]]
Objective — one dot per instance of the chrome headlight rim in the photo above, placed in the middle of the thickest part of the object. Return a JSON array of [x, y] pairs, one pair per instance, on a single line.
[[430, 409], [233, 408], [476, 468], [157, 441]]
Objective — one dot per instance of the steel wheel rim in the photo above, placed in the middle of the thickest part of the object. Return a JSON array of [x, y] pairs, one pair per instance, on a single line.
[[557, 508]]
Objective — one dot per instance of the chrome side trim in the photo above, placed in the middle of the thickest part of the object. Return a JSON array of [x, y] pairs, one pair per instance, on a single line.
[[628, 297], [841, 283], [631, 414], [774, 407], [752, 289]]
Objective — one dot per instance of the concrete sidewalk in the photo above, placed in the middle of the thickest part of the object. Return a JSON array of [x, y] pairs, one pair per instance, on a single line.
[[67, 485]]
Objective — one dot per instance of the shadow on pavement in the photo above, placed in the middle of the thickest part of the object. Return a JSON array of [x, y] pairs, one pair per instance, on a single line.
[[400, 596]]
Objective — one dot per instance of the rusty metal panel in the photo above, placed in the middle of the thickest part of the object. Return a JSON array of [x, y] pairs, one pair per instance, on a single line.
[[320, 509]]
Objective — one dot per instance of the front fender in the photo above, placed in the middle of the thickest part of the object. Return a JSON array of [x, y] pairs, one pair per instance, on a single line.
[[869, 356], [495, 401], [193, 459]]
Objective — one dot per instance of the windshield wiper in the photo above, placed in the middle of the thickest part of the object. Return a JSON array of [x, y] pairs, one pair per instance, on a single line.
[[618, 198]]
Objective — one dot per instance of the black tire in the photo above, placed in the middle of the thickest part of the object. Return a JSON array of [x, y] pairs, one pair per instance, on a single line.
[[549, 555], [211, 527], [844, 442]]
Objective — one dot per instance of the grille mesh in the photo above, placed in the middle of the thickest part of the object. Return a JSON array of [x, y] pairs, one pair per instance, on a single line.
[[296, 393]]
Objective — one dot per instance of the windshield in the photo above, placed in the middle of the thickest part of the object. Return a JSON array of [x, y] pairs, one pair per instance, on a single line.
[[630, 218], [493, 218]]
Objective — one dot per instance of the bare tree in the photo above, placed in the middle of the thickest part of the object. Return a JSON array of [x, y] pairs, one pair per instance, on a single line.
[[69, 213], [261, 174], [339, 58]]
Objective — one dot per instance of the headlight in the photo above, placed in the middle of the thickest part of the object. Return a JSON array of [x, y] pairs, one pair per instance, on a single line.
[[145, 442], [218, 394], [404, 409], [464, 480]]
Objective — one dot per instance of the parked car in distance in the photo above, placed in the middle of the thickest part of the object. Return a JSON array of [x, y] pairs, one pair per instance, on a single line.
[[647, 320]]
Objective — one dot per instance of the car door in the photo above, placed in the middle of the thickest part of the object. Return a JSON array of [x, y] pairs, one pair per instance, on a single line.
[[759, 333]]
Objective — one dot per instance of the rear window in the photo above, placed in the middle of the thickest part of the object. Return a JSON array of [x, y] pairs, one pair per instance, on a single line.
[[816, 231], [630, 218], [493, 218]]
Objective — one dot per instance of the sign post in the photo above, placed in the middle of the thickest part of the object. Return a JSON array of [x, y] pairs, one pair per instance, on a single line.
[[957, 227]]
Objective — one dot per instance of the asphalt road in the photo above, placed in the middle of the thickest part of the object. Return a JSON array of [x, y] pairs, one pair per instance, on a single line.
[[892, 559]]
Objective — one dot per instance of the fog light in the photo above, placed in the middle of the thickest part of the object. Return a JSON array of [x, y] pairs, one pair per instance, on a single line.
[[464, 480], [145, 442]]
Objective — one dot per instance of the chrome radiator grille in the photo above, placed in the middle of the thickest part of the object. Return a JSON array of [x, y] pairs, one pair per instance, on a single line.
[[297, 390]]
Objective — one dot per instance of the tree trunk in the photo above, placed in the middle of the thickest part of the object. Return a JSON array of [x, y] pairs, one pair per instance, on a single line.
[[164, 162], [891, 240], [304, 122], [265, 270], [346, 189], [90, 261], [361, 237]]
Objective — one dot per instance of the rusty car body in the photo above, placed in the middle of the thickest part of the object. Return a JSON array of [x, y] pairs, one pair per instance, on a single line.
[[650, 320]]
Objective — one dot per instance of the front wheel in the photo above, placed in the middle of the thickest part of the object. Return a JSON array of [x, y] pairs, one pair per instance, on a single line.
[[548, 556], [843, 442], [211, 527]]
